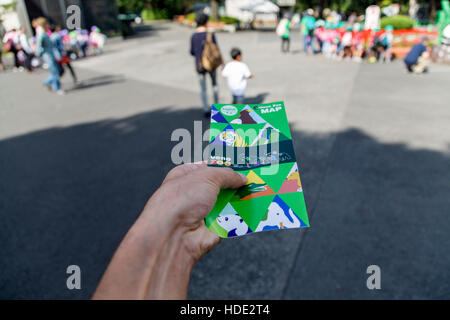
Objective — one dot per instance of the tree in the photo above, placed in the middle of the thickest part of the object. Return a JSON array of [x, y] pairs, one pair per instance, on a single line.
[[215, 10]]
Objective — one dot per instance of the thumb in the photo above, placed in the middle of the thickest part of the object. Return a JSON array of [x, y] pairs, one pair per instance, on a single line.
[[224, 178]]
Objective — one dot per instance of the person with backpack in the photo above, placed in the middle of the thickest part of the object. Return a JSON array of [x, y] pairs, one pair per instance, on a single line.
[[45, 49], [207, 59], [283, 31], [386, 42], [60, 55], [308, 24]]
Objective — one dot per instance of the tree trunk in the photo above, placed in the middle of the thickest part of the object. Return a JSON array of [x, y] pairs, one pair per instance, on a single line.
[[215, 10], [433, 11]]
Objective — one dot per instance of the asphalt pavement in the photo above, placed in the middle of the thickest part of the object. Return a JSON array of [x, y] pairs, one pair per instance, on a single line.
[[373, 144]]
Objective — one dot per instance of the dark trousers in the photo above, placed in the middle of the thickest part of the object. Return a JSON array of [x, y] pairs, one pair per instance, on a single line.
[[16, 58], [238, 99], [72, 72], [27, 62], [409, 67], [285, 44]]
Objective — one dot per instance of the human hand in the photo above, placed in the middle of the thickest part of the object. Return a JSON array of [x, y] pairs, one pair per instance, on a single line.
[[155, 259], [191, 192]]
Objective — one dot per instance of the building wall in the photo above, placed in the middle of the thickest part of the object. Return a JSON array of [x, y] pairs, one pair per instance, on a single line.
[[102, 13]]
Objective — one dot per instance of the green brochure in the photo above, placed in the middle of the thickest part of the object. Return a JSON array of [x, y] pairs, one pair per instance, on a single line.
[[256, 141]]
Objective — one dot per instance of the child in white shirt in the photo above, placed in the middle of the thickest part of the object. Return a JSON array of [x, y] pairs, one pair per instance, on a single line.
[[237, 74]]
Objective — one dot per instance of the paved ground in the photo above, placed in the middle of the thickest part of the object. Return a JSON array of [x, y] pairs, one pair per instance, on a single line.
[[373, 144]]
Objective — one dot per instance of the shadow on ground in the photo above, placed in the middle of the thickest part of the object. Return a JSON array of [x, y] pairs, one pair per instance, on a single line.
[[69, 195], [145, 30], [256, 99], [96, 81]]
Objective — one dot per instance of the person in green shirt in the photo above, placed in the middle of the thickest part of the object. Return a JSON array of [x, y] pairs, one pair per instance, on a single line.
[[283, 30], [308, 23], [286, 41]]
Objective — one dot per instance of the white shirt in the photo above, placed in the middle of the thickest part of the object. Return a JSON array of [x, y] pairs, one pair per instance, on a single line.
[[23, 40], [237, 74]]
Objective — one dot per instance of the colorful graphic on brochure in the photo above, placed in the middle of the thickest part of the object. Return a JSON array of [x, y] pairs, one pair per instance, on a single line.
[[256, 141]]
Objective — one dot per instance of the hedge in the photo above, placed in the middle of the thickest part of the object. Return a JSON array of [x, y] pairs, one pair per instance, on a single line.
[[227, 20], [398, 22], [148, 15]]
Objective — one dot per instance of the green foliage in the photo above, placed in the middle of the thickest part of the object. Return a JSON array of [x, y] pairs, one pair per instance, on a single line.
[[385, 3], [7, 7], [349, 6], [156, 8], [398, 22], [155, 14], [227, 20], [126, 6], [190, 16]]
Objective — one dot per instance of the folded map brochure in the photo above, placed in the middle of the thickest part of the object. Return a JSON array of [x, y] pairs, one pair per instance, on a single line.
[[256, 141]]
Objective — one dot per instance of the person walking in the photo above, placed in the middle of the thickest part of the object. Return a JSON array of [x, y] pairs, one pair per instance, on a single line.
[[283, 30], [198, 41], [308, 24], [45, 50], [60, 55], [237, 73]]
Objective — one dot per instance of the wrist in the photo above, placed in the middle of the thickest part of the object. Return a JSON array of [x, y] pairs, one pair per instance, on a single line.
[[150, 263], [166, 264]]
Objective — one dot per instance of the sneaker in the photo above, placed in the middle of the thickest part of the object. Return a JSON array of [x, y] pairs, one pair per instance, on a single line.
[[61, 92]]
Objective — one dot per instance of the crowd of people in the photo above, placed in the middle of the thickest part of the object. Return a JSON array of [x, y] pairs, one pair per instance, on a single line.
[[339, 40], [330, 37], [51, 48], [336, 39]]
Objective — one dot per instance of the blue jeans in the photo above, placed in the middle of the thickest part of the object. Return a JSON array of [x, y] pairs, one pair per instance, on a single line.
[[202, 78], [53, 78], [238, 99], [307, 42]]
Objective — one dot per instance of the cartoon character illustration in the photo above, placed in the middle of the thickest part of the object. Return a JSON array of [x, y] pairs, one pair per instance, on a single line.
[[232, 222], [229, 137], [279, 216]]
